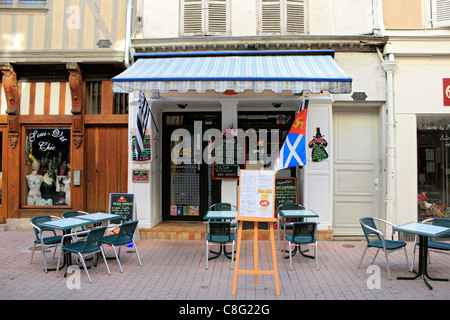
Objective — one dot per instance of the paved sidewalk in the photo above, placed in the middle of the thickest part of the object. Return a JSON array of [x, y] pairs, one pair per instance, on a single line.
[[175, 270]]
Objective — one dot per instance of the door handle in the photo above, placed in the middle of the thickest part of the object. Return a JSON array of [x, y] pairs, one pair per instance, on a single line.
[[376, 183]]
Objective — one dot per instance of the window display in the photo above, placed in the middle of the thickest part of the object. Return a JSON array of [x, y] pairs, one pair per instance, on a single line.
[[47, 166], [433, 164]]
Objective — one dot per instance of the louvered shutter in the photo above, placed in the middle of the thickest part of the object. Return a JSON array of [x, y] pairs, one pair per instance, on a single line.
[[271, 16], [192, 17], [282, 17], [440, 13], [295, 16], [217, 17]]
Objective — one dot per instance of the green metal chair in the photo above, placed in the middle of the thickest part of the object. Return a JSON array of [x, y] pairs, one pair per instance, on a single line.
[[82, 248], [44, 242], [219, 232], [303, 233], [435, 244], [124, 237], [388, 246], [285, 206], [224, 206]]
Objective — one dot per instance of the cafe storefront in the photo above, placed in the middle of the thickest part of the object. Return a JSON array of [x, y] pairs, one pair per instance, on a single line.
[[194, 97]]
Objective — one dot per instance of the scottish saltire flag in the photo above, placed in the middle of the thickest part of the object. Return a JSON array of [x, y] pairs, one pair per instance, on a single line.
[[141, 121], [293, 151]]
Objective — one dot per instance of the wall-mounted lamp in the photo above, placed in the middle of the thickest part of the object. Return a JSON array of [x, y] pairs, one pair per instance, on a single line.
[[277, 105], [181, 106]]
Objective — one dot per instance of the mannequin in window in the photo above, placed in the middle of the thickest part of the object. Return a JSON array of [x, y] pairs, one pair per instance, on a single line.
[[34, 181], [66, 182]]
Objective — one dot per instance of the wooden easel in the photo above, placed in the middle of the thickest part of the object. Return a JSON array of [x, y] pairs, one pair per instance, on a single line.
[[267, 216], [256, 271]]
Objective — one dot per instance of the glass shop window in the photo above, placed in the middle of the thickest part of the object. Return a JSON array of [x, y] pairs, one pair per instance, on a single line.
[[47, 167], [433, 166]]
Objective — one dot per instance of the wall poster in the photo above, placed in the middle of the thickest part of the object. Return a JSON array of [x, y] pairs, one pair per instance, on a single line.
[[257, 194]]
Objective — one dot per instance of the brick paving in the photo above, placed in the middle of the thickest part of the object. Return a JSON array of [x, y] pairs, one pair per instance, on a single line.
[[175, 270]]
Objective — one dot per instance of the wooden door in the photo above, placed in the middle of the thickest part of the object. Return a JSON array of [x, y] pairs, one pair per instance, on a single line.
[[106, 164], [356, 169]]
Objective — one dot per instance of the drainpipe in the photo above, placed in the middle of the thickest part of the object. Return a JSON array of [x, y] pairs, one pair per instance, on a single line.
[[389, 67], [128, 33], [380, 18]]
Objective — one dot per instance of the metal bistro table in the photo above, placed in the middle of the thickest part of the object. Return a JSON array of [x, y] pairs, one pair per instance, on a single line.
[[424, 231], [295, 214], [99, 217], [219, 215]]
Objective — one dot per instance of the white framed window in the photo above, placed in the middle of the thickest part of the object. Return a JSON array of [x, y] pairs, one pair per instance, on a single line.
[[205, 17], [440, 13], [282, 17]]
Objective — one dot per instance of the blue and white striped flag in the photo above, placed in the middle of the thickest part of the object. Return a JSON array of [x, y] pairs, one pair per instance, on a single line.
[[293, 151], [141, 121]]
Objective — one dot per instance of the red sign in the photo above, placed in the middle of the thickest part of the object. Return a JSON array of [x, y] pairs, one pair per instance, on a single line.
[[446, 82], [264, 203]]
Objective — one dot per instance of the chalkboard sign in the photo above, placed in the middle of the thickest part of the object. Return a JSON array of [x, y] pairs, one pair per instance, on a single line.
[[123, 204], [229, 157], [140, 175], [146, 154], [285, 191]]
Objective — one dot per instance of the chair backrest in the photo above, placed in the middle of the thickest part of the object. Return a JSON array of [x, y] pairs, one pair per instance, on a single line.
[[304, 232], [70, 214], [441, 222], [127, 229], [370, 222], [220, 231], [290, 206], [94, 237], [37, 220], [221, 206]]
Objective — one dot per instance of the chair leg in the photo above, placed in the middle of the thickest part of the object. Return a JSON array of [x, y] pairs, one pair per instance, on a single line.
[[137, 253], [207, 255], [317, 256], [57, 264], [362, 258], [375, 256], [232, 255], [406, 255], [387, 264], [290, 255], [413, 258], [85, 268], [32, 253], [117, 258], [104, 259], [43, 256]]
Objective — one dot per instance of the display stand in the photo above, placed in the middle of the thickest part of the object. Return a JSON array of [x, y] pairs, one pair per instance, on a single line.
[[256, 203]]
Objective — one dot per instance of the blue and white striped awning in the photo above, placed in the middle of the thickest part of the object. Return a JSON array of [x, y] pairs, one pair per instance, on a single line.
[[277, 71]]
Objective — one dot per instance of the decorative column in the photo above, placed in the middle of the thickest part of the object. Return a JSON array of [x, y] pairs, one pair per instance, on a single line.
[[77, 162], [10, 86]]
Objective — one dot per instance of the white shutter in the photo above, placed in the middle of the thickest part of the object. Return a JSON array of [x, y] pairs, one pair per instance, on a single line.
[[282, 17], [192, 17], [217, 17], [271, 16], [440, 10], [295, 16]]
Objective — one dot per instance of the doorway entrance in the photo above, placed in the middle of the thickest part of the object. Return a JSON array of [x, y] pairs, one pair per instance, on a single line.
[[356, 178], [187, 184]]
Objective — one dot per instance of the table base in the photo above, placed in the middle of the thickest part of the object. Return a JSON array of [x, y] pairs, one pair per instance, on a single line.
[[217, 254], [423, 264]]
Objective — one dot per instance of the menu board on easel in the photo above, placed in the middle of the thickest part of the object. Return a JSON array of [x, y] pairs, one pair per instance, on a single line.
[[122, 204], [257, 195]]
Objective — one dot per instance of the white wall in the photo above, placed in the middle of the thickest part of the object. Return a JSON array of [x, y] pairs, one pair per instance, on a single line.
[[325, 17]]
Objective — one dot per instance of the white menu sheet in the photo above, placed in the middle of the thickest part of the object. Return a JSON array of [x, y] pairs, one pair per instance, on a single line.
[[257, 193]]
